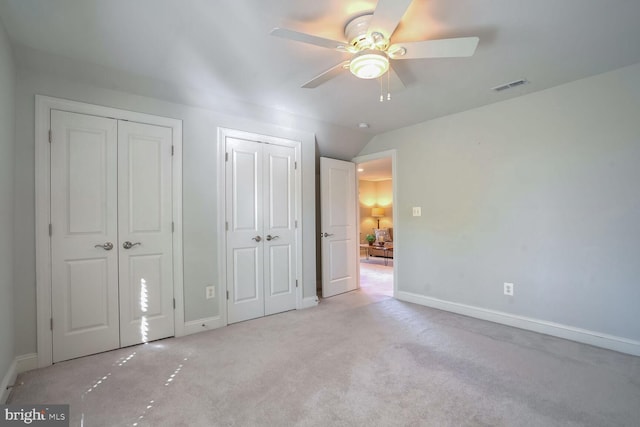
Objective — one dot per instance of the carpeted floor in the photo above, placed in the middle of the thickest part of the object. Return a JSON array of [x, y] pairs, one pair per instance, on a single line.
[[358, 359]]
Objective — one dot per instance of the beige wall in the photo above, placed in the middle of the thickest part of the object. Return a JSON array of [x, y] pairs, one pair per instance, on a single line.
[[375, 194]]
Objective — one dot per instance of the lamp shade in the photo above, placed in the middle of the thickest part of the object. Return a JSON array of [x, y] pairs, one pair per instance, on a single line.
[[377, 212]]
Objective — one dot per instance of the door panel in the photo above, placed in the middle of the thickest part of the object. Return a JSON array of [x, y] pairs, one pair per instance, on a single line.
[[84, 287], [244, 236], [279, 208], [339, 229], [260, 200], [246, 276], [87, 279], [144, 218], [279, 268]]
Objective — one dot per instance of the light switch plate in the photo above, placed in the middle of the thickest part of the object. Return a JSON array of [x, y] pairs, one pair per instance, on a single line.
[[417, 211]]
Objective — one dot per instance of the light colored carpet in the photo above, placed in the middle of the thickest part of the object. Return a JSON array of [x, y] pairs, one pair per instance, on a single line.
[[358, 359]]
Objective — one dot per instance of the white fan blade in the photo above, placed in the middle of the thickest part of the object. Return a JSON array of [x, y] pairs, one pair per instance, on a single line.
[[309, 39], [395, 82], [445, 48], [387, 16], [326, 76]]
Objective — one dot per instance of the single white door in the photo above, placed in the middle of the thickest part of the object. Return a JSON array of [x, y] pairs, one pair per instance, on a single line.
[[245, 255], [261, 233], [279, 228], [145, 236], [84, 239], [338, 226]]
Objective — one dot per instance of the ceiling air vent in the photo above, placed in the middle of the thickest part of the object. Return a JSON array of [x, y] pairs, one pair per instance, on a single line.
[[510, 85]]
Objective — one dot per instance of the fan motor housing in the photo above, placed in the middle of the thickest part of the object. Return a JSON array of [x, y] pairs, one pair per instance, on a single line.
[[358, 36]]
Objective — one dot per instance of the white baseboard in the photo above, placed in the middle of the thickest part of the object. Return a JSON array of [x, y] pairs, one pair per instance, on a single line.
[[310, 302], [598, 339], [23, 363], [201, 325]]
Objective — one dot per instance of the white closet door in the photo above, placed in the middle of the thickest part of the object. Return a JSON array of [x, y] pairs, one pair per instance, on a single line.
[[245, 257], [279, 228], [145, 232], [84, 253]]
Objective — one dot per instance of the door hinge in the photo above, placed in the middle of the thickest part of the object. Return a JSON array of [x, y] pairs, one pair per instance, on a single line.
[[50, 137], [174, 303], [227, 295], [226, 157], [173, 226], [296, 223], [51, 323], [226, 225], [172, 150], [50, 230], [295, 165], [296, 283]]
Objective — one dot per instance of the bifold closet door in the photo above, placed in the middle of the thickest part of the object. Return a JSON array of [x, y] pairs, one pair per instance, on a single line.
[[260, 215], [84, 239]]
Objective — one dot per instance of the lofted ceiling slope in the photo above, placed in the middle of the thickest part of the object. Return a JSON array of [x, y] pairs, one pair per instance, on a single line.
[[219, 54]]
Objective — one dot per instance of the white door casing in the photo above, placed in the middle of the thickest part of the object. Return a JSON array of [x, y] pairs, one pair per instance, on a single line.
[[48, 226], [84, 251], [261, 236], [145, 234], [338, 226], [111, 200]]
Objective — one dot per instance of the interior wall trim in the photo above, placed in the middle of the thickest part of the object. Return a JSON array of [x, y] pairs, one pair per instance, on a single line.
[[20, 364], [200, 325], [585, 336], [309, 302]]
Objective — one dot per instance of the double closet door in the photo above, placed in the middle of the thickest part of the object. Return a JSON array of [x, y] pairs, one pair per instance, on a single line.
[[261, 229], [111, 234]]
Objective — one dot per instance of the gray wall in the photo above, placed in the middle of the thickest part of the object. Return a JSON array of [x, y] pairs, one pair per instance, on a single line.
[[199, 190], [542, 191], [7, 97]]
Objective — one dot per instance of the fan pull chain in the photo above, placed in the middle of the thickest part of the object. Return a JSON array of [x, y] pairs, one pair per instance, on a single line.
[[388, 88]]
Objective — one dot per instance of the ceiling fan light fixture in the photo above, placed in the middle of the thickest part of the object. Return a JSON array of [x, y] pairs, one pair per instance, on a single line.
[[369, 64]]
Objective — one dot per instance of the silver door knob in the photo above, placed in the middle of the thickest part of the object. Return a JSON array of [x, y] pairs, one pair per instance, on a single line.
[[270, 237], [129, 245], [107, 246], [257, 238], [327, 234]]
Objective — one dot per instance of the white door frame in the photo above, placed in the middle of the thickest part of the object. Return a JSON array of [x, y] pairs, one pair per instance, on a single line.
[[223, 133], [44, 105], [396, 215]]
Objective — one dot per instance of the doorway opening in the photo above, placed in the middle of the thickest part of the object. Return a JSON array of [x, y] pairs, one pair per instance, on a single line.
[[378, 251]]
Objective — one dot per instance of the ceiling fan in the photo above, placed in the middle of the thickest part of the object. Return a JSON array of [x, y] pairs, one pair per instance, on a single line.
[[369, 40]]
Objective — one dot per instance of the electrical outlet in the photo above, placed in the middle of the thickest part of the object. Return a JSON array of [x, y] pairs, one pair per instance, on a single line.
[[211, 292], [508, 289], [417, 211]]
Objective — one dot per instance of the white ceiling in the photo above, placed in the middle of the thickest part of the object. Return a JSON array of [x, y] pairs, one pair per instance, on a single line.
[[220, 54]]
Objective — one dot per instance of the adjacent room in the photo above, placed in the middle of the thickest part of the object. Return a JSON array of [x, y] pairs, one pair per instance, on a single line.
[[316, 213], [375, 202]]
